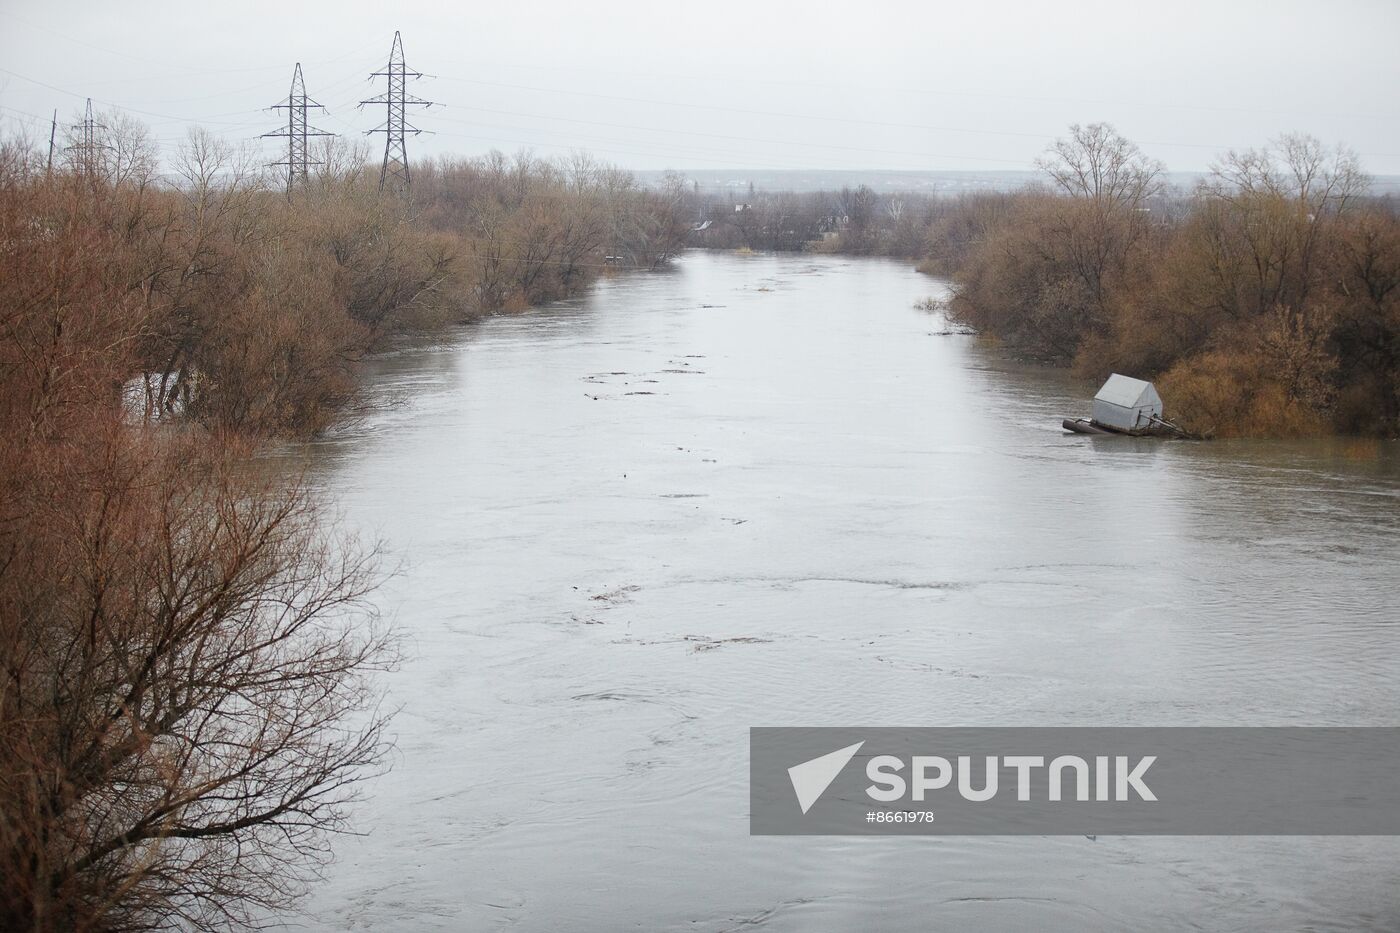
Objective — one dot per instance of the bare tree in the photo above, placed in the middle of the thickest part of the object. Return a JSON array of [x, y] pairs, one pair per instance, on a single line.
[[130, 157], [1295, 167], [340, 165], [185, 712], [858, 208], [1108, 180], [1095, 162], [1268, 212]]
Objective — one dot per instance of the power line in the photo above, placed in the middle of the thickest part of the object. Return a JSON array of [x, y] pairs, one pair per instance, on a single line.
[[710, 77], [147, 113], [395, 172], [745, 139], [825, 118], [187, 69], [829, 118]]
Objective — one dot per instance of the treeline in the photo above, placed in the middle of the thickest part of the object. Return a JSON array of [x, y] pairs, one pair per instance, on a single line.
[[250, 307], [184, 642], [1266, 301], [857, 221]]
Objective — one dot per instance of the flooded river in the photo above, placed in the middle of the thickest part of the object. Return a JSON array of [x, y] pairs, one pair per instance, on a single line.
[[760, 490]]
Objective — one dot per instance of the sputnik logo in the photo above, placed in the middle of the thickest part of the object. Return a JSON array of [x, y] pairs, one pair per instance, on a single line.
[[811, 778]]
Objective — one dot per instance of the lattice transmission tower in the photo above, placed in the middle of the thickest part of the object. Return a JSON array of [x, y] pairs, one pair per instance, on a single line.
[[298, 132], [87, 149], [393, 174]]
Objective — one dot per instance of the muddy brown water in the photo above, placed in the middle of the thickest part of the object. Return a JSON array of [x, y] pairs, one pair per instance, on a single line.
[[768, 490]]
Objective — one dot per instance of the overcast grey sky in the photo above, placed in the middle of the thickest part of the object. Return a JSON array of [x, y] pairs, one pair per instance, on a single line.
[[720, 84]]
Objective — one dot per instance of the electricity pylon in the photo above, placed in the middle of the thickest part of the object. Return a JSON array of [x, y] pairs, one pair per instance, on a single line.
[[393, 173], [88, 144], [298, 132]]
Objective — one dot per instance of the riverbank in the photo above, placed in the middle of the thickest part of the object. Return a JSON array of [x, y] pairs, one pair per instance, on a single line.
[[1265, 302]]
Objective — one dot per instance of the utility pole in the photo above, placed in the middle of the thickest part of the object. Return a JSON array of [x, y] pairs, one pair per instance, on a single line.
[[393, 173], [88, 144], [298, 133], [53, 133]]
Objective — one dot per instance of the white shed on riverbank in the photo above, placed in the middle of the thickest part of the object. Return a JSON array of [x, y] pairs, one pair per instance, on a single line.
[[1127, 404]]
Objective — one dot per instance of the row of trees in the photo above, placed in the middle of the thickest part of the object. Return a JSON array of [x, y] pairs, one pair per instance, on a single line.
[[857, 220], [186, 647], [253, 307], [539, 230]]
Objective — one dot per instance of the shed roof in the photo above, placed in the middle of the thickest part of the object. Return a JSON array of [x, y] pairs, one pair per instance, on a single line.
[[1128, 392]]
